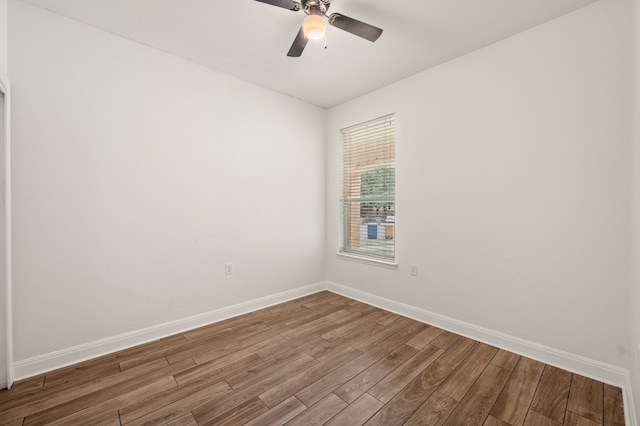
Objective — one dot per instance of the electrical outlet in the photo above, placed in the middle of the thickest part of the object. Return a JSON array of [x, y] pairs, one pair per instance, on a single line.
[[228, 268], [413, 269]]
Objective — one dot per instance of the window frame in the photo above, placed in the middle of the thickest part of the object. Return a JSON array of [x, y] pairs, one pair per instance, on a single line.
[[367, 147]]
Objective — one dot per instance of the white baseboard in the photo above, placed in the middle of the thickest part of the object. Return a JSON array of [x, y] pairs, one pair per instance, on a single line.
[[62, 358], [596, 370], [629, 408], [571, 362]]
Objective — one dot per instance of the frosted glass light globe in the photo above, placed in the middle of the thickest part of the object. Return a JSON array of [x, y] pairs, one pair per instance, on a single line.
[[314, 27]]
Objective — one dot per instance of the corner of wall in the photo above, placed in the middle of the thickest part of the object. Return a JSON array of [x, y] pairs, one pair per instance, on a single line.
[[3, 37], [584, 366], [634, 288]]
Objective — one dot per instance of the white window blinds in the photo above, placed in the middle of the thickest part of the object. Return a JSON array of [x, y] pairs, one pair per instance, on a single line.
[[368, 189]]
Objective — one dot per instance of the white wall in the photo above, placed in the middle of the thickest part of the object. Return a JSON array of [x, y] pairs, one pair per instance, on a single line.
[[3, 290], [137, 175], [512, 185], [3, 36], [635, 253]]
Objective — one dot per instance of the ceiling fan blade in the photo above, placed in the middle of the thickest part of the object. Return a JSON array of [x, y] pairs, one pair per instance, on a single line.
[[354, 26], [298, 45], [285, 4]]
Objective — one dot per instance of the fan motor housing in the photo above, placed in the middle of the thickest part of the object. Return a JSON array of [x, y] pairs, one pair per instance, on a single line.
[[312, 7]]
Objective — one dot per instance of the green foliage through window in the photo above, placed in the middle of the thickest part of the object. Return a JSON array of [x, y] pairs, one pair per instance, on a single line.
[[380, 186]]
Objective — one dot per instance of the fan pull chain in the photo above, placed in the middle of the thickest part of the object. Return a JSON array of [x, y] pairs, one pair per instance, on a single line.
[[325, 41]]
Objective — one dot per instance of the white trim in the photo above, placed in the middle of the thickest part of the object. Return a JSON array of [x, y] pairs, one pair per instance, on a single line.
[[367, 260], [58, 359], [571, 362], [630, 418], [5, 88], [597, 370]]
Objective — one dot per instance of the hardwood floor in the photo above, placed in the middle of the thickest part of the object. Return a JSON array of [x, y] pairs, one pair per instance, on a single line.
[[321, 359]]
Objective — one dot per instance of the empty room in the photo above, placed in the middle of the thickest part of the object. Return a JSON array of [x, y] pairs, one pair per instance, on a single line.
[[311, 212]]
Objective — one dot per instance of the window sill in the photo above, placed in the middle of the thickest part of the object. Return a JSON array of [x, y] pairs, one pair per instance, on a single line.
[[368, 261]]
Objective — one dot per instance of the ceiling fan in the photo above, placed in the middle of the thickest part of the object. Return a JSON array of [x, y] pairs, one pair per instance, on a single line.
[[314, 25]]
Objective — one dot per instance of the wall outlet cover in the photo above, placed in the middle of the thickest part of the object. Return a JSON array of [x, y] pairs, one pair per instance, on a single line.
[[413, 269]]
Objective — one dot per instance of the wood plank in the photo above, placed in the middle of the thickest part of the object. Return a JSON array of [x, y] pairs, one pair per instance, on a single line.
[[358, 315], [240, 415], [296, 383], [286, 316], [102, 394], [26, 385], [207, 350], [213, 409], [356, 305], [324, 386], [352, 325], [460, 381], [354, 388], [183, 406], [552, 394], [320, 413], [299, 347], [315, 314], [16, 422], [82, 373], [95, 413], [506, 360], [159, 348], [613, 406], [27, 404], [280, 414], [388, 318], [378, 335], [186, 420], [574, 419], [457, 352], [586, 398], [444, 340], [358, 412], [106, 419], [316, 327], [535, 419], [218, 368], [207, 334], [516, 397], [475, 406], [265, 368], [388, 387], [240, 348], [425, 337], [243, 320], [399, 337], [321, 299], [493, 421], [264, 349], [156, 350], [34, 388], [433, 411], [341, 300], [328, 349], [403, 405], [142, 406]]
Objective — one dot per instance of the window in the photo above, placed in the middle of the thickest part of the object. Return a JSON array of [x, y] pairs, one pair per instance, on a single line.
[[368, 189]]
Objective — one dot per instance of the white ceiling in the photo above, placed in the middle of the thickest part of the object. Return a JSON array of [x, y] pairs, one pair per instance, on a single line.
[[250, 40]]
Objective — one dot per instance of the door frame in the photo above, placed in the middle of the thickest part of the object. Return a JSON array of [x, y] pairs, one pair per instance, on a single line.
[[5, 90]]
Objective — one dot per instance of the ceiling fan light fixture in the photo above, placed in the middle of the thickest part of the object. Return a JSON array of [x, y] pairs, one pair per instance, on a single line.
[[314, 27]]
